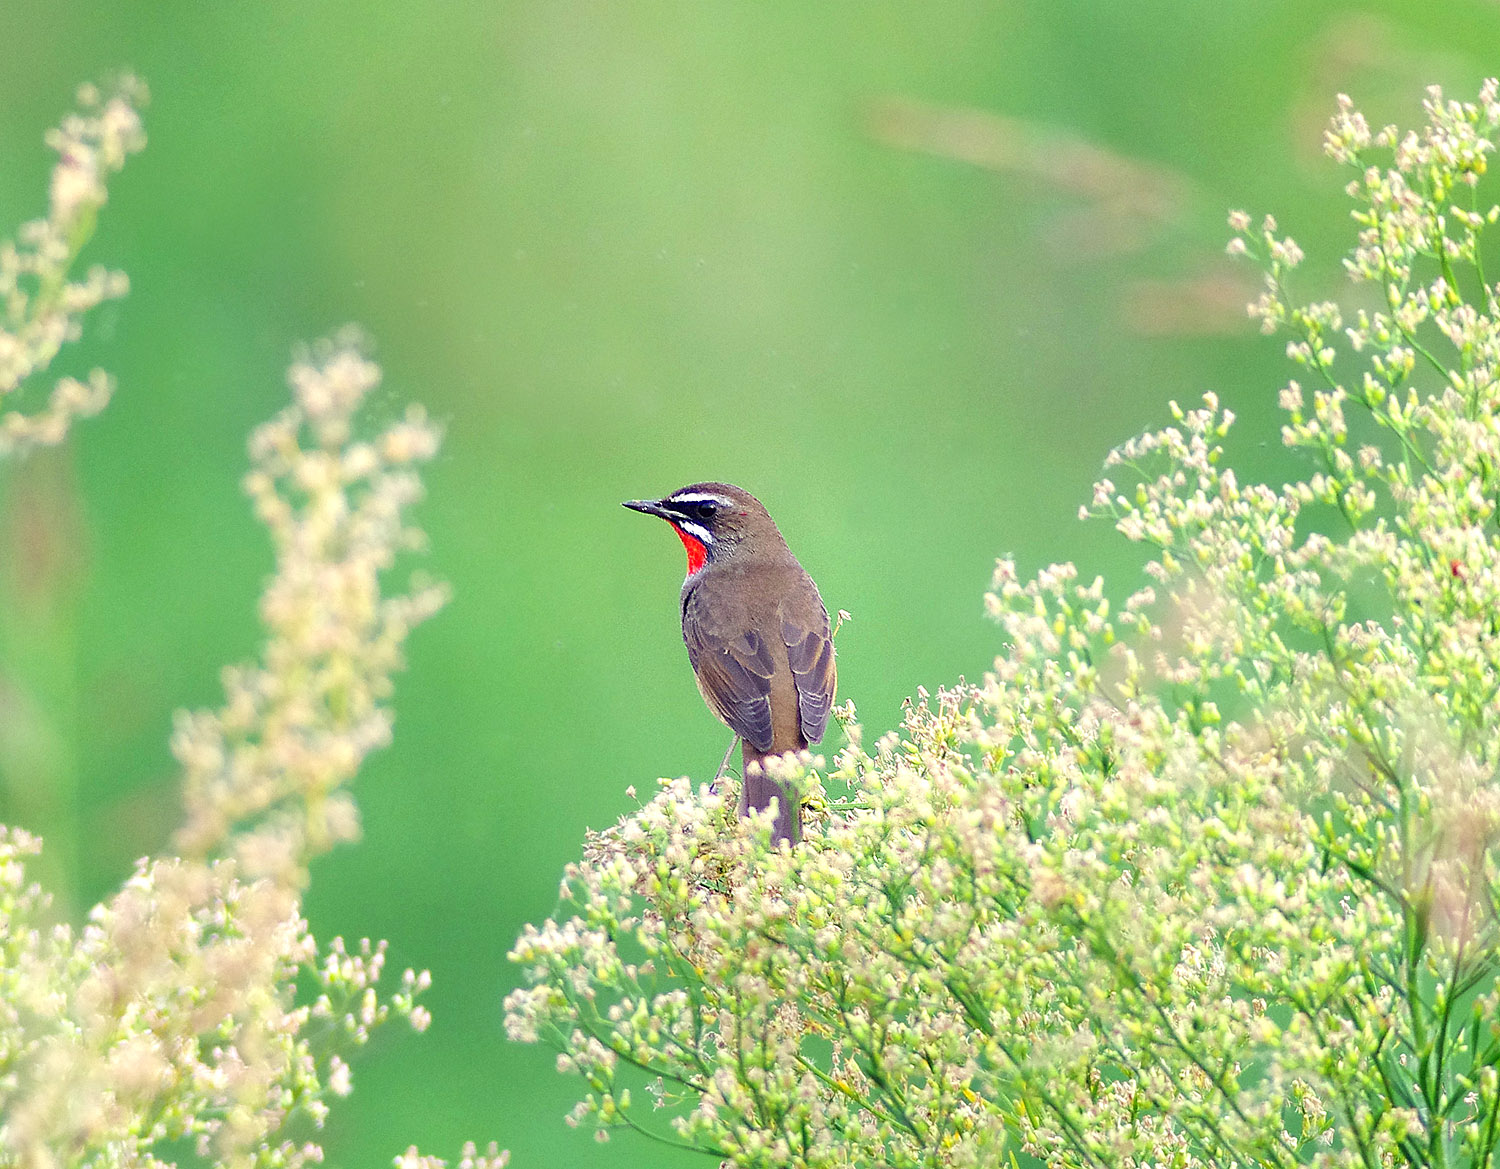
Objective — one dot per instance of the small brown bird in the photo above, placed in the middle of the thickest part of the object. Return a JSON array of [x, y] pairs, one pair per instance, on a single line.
[[756, 632]]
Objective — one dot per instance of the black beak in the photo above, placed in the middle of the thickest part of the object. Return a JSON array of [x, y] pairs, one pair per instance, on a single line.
[[649, 506]]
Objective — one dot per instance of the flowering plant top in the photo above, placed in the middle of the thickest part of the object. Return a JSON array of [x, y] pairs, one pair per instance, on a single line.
[[1208, 876]]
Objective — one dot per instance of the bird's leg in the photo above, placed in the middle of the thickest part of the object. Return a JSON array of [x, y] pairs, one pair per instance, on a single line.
[[724, 766]]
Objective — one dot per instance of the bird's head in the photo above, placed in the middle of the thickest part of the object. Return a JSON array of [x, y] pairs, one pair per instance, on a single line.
[[714, 520]]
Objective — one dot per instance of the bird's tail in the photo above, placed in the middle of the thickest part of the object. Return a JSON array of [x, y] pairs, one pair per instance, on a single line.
[[758, 788]]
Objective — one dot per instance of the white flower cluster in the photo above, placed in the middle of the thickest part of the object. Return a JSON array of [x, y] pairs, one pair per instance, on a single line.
[[175, 1014], [1210, 878], [41, 303], [470, 1158], [172, 1016], [194, 1012], [266, 774]]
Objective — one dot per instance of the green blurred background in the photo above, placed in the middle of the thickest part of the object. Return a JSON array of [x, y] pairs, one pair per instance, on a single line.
[[906, 271]]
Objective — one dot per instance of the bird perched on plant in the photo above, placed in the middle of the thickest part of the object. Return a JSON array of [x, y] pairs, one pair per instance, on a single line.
[[756, 632]]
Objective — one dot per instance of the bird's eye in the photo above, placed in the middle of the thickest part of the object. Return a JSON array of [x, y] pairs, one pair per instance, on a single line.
[[707, 510]]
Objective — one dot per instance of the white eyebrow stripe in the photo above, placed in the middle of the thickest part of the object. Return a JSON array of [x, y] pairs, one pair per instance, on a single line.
[[696, 531], [699, 497]]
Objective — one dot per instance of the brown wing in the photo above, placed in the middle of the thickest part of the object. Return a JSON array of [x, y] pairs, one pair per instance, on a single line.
[[734, 667], [809, 651]]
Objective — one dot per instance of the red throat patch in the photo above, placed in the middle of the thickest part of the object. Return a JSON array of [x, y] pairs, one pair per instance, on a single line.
[[697, 553]]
